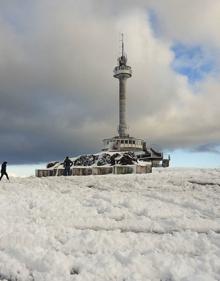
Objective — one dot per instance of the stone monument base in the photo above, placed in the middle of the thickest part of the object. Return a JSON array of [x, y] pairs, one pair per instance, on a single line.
[[97, 170]]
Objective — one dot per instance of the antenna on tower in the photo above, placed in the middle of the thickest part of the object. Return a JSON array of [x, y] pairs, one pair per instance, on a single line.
[[122, 60], [122, 44]]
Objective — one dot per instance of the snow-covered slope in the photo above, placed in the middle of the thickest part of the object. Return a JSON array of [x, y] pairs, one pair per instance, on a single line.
[[159, 226]]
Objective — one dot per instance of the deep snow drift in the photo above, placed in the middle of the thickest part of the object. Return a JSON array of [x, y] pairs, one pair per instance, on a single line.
[[160, 226]]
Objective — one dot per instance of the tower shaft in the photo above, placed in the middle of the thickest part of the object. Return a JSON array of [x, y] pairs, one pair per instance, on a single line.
[[122, 129]]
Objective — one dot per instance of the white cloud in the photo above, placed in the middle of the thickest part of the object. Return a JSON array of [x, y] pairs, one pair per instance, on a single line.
[[195, 21]]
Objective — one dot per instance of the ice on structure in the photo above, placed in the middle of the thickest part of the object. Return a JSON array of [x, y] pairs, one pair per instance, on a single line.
[[160, 226], [100, 159]]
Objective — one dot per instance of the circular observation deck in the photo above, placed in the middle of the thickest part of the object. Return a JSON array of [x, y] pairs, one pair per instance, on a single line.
[[122, 71]]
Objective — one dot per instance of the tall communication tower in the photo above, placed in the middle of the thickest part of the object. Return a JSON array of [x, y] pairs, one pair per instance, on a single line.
[[122, 72], [123, 142]]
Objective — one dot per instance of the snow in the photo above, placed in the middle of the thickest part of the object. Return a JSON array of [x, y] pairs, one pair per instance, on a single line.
[[162, 226]]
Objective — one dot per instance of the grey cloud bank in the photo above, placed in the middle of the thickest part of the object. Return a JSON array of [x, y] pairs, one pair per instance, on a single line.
[[58, 96]]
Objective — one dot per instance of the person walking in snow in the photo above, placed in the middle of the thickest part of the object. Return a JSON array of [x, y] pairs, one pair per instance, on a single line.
[[3, 170], [67, 164]]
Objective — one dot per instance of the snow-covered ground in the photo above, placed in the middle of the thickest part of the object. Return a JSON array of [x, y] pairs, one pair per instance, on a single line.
[[160, 226]]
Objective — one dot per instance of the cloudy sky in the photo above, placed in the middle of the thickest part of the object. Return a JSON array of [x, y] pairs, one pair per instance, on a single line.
[[57, 93]]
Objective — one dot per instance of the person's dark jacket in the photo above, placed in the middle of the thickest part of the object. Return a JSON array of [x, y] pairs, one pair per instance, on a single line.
[[3, 169], [67, 163]]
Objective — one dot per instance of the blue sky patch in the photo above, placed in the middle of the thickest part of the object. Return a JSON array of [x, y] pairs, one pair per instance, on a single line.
[[185, 158], [192, 61], [154, 22]]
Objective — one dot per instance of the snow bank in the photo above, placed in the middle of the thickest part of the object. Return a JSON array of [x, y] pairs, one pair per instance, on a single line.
[[160, 226]]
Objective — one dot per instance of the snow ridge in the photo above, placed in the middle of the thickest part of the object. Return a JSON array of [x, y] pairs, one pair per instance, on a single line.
[[160, 226]]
